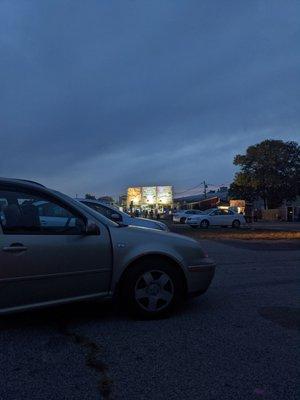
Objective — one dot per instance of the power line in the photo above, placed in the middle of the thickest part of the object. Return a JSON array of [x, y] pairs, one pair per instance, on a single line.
[[188, 190], [205, 186]]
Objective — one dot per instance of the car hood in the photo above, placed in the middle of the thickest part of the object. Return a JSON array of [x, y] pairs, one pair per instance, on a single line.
[[148, 223], [141, 233]]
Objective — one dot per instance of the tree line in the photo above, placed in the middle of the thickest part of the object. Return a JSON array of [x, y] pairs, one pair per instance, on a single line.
[[269, 170]]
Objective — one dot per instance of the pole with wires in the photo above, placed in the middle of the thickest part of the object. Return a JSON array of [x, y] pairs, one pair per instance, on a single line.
[[205, 187]]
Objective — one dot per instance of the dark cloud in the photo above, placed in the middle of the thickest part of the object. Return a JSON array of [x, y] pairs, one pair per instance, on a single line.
[[97, 95]]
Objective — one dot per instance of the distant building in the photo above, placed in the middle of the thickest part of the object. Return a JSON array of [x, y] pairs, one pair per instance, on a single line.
[[123, 201], [200, 201], [288, 211], [150, 197], [106, 199]]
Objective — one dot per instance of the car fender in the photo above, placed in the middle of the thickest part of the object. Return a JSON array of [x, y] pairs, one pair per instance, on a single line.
[[125, 254], [197, 219]]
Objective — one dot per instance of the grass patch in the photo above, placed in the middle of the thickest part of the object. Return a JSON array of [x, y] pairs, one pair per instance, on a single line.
[[242, 234]]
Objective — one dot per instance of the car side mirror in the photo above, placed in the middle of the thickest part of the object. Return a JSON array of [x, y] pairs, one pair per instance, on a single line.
[[116, 217], [92, 229]]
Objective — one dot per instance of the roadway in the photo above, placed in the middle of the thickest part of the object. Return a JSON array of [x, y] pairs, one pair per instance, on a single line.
[[239, 341]]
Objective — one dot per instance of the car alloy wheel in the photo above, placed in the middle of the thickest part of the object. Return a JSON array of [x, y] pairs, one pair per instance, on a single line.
[[154, 291], [152, 288]]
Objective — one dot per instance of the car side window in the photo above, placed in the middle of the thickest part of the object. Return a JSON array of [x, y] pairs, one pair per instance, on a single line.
[[47, 209], [224, 212], [26, 213], [217, 212]]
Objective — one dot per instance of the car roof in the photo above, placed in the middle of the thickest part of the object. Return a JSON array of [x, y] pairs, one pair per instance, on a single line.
[[190, 209], [23, 182]]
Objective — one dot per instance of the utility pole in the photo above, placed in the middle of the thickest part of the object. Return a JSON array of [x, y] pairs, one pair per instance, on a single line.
[[205, 187]]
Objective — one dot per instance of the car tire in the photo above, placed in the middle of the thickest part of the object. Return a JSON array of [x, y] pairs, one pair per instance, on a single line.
[[204, 223], [182, 220], [236, 224], [152, 288]]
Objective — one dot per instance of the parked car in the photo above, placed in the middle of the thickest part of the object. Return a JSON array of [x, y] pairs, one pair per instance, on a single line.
[[216, 216], [85, 255], [182, 215], [114, 214]]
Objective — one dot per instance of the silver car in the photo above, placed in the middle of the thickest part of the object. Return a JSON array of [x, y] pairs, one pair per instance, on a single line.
[[119, 216], [83, 255], [216, 217], [182, 215]]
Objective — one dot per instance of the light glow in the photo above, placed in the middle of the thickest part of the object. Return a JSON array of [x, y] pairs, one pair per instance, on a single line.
[[156, 196]]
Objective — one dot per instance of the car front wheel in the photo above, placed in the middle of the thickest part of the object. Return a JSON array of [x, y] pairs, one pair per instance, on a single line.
[[204, 224], [152, 289], [236, 224]]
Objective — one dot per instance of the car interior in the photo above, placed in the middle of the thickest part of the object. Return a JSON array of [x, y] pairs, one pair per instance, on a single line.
[[21, 213]]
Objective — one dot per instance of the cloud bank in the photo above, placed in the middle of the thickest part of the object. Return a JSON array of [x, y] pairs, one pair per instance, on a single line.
[[95, 96]]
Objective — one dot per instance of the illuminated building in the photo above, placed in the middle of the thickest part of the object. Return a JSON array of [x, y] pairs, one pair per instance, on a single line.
[[150, 197]]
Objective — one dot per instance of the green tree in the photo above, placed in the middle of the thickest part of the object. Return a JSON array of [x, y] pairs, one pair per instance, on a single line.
[[107, 199], [90, 197], [270, 170]]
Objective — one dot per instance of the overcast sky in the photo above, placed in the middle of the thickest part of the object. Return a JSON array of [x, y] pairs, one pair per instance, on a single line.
[[96, 95]]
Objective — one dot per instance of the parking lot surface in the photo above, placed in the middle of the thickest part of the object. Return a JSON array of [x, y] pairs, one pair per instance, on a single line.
[[238, 341]]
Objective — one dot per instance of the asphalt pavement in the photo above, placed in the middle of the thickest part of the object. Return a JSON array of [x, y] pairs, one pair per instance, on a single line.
[[238, 341]]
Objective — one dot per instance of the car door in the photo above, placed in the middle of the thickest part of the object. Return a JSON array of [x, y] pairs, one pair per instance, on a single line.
[[48, 263], [226, 217], [215, 218], [188, 213]]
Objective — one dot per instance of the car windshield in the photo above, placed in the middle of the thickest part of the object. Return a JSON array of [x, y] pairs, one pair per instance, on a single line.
[[107, 211], [86, 208]]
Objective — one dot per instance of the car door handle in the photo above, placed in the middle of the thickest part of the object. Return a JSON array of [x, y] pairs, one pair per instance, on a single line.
[[15, 248]]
